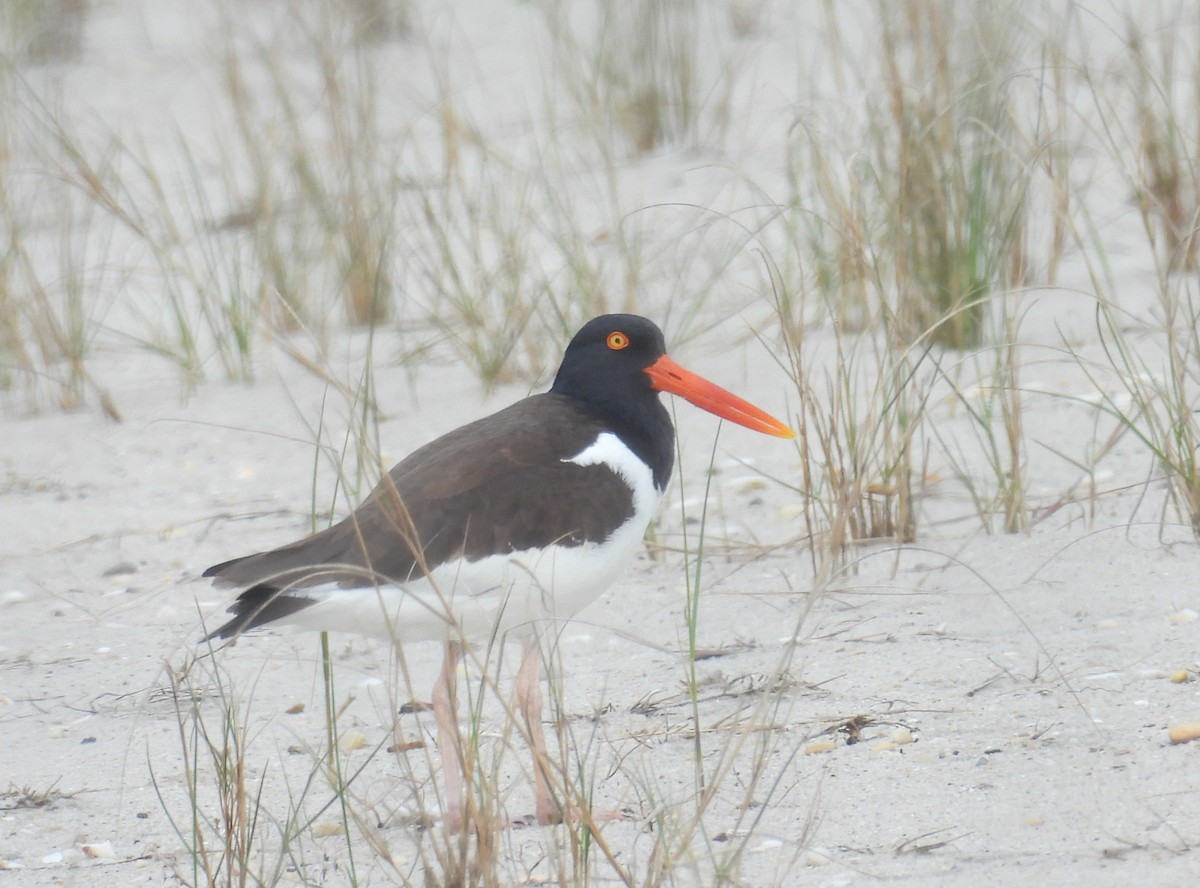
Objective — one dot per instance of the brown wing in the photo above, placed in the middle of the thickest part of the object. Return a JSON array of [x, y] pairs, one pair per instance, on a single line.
[[495, 486]]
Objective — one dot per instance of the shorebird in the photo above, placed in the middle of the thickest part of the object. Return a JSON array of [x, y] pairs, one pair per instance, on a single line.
[[498, 529]]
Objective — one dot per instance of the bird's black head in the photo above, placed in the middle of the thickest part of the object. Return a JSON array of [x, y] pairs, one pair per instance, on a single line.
[[604, 367], [616, 366], [608, 357]]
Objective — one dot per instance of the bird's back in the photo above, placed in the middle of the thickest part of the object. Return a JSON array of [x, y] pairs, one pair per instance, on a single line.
[[505, 500]]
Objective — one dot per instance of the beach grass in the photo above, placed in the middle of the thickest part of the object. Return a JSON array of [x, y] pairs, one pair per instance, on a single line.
[[909, 212]]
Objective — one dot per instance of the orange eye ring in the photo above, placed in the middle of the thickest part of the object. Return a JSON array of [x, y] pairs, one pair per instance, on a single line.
[[617, 340]]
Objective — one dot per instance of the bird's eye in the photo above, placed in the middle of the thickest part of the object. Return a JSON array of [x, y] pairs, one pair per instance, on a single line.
[[617, 340]]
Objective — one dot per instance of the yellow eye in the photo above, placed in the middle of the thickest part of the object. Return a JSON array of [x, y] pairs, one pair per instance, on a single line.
[[617, 340]]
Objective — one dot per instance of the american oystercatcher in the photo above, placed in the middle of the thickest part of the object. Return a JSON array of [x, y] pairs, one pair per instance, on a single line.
[[499, 528]]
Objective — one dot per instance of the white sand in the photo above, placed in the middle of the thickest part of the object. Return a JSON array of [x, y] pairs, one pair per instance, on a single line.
[[1011, 695]]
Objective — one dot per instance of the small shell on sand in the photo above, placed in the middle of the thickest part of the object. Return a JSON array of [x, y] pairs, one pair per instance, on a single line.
[[819, 746], [352, 740], [901, 736], [98, 850], [1184, 733], [816, 857]]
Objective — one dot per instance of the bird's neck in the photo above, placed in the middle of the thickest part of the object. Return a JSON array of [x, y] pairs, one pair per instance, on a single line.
[[644, 426], [650, 435]]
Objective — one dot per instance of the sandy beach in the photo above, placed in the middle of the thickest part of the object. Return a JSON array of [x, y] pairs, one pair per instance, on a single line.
[[968, 707]]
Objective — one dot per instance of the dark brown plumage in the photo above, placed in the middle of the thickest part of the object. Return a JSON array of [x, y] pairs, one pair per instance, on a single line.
[[486, 488]]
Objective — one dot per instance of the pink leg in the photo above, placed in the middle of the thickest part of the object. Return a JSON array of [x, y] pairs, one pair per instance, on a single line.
[[445, 713], [529, 701]]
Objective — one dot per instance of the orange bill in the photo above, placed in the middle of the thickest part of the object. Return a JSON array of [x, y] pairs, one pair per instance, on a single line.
[[667, 376]]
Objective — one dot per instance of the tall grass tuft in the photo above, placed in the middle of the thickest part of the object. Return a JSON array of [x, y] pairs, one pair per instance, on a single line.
[[648, 73], [860, 441], [915, 211], [224, 827], [994, 407], [1147, 122], [319, 203], [1167, 183], [1158, 387], [951, 172]]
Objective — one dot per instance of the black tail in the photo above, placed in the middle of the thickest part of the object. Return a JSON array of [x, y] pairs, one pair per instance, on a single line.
[[257, 606]]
